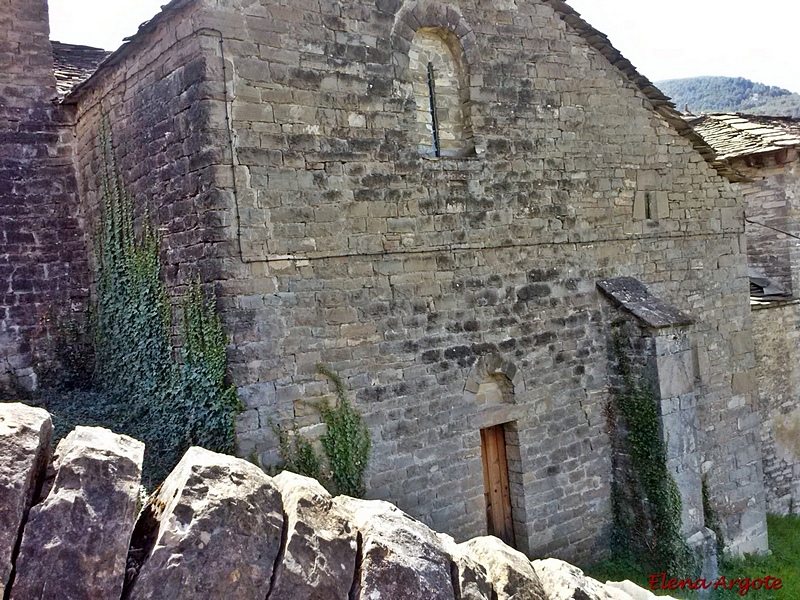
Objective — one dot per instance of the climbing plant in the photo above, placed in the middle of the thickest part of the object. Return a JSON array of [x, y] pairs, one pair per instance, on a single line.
[[345, 444], [210, 405], [655, 524], [297, 452], [170, 404], [132, 313]]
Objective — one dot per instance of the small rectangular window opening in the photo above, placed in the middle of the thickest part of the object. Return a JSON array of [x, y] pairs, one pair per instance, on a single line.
[[648, 209], [437, 151]]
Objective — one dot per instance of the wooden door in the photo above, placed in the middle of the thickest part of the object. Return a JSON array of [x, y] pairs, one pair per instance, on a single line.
[[495, 484]]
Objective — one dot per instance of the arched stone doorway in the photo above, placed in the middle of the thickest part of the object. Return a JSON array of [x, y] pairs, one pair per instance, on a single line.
[[492, 386]]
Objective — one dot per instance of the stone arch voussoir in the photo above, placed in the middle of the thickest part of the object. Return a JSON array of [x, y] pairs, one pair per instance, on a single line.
[[492, 365], [417, 14]]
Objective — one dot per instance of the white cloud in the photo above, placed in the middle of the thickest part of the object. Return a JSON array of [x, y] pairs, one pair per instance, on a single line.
[[665, 40], [99, 23], [687, 38]]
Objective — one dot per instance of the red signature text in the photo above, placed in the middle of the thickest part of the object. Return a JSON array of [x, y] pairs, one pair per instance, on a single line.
[[661, 581]]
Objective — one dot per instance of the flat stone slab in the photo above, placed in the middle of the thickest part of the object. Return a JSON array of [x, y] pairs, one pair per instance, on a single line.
[[25, 434], [632, 295], [76, 541]]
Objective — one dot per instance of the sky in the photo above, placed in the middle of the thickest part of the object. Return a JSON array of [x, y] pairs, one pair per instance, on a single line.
[[664, 40]]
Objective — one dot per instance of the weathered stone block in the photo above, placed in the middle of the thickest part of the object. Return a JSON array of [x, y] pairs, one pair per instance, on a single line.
[[472, 579], [213, 529], [510, 572], [676, 374], [562, 581], [24, 454], [76, 540], [319, 557], [400, 558]]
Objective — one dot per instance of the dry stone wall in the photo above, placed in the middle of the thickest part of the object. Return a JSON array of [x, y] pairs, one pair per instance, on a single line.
[[220, 528], [42, 256], [277, 147]]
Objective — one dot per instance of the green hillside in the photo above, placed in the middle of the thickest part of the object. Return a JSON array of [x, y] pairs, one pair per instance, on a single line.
[[730, 94]]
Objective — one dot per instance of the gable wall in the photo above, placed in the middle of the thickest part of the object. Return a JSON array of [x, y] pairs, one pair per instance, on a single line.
[[772, 199], [333, 241], [159, 105]]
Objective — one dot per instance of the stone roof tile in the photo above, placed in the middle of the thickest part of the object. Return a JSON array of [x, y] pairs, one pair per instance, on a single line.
[[74, 64], [734, 135]]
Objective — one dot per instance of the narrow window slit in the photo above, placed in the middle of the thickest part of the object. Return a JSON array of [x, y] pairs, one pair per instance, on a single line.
[[437, 151]]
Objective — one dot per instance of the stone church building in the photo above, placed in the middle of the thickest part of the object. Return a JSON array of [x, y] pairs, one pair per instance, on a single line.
[[453, 204]]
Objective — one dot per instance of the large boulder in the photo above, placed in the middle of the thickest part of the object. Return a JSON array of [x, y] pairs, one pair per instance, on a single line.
[[76, 540], [510, 572], [319, 559], [25, 434], [212, 530], [470, 576], [401, 559], [562, 581], [634, 592]]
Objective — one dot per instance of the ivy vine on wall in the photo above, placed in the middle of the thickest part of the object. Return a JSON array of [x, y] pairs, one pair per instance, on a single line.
[[170, 404], [646, 500], [345, 444]]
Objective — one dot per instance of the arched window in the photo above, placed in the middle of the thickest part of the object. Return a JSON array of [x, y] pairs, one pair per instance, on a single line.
[[441, 92]]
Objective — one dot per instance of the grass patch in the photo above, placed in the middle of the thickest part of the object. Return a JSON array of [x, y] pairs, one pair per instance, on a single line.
[[783, 563]]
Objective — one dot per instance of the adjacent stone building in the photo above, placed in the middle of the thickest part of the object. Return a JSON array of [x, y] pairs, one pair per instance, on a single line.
[[763, 152], [423, 196], [43, 268]]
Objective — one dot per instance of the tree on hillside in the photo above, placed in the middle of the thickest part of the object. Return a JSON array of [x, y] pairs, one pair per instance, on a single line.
[[731, 94]]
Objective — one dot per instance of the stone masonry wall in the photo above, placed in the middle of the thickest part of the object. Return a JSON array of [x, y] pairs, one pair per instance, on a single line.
[[330, 239], [772, 200], [158, 105], [777, 343], [42, 258]]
